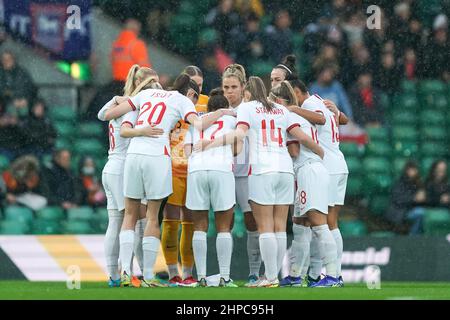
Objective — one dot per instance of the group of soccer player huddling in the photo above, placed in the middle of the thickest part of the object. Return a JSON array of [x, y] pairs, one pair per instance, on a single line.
[[179, 153]]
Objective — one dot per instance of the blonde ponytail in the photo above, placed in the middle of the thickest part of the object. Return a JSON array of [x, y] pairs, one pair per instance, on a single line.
[[144, 75], [285, 92], [129, 83]]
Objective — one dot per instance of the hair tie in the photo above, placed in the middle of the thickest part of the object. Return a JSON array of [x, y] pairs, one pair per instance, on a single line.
[[284, 67]]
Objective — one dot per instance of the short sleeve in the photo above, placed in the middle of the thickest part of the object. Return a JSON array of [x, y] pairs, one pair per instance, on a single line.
[[311, 106], [293, 121], [243, 115], [130, 118], [291, 139], [185, 107]]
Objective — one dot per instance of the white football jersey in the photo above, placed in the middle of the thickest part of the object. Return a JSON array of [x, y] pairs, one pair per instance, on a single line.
[[117, 145], [305, 154], [218, 159], [328, 135], [242, 160], [267, 136], [160, 109]]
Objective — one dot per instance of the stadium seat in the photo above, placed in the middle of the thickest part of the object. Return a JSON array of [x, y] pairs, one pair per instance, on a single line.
[[406, 149], [212, 224], [14, 227], [63, 144], [404, 117], [261, 68], [100, 220], [432, 118], [425, 165], [408, 86], [62, 114], [431, 86], [50, 213], [89, 147], [376, 165], [399, 164], [44, 226], [239, 229], [65, 129], [405, 133], [434, 149], [377, 134], [436, 222], [354, 165], [102, 213], [405, 102], [379, 148], [208, 36], [352, 228], [16, 213], [91, 129], [354, 185], [433, 133], [77, 227], [350, 149], [4, 163], [378, 204], [438, 101], [80, 213], [377, 182], [382, 234]]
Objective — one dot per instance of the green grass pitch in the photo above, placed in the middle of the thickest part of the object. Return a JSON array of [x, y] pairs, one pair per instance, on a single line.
[[100, 291]]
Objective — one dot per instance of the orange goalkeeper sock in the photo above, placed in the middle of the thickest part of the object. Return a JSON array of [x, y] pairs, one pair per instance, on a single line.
[[186, 252], [169, 244]]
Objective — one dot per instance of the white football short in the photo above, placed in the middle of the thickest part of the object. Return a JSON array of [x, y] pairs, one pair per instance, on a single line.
[[147, 177], [337, 188], [312, 189], [275, 188], [113, 185], [210, 189]]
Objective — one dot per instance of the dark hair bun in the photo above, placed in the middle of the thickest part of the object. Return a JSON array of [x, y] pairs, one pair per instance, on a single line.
[[289, 61], [216, 92]]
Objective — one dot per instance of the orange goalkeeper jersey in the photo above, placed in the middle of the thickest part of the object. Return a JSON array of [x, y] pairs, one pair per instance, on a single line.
[[179, 160]]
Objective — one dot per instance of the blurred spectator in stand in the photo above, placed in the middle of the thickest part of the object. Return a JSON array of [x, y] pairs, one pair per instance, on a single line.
[[16, 86], [279, 37], [40, 135], [365, 99], [246, 7], [223, 18], [328, 55], [359, 64], [437, 186], [248, 42], [436, 53], [409, 64], [25, 185], [126, 51], [400, 25], [375, 39], [61, 182], [388, 75], [407, 198], [329, 88], [92, 193], [354, 26]]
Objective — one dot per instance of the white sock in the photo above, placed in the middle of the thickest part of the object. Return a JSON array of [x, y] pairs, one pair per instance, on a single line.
[[150, 246], [112, 244], [340, 248], [224, 247], [173, 270], [305, 268], [281, 248], [199, 246], [138, 235], [253, 253], [327, 247], [269, 254], [300, 248], [126, 238], [315, 262], [187, 272]]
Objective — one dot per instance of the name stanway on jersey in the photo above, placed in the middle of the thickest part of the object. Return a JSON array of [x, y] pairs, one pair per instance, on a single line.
[[160, 109], [267, 136], [218, 159], [305, 153], [328, 135]]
